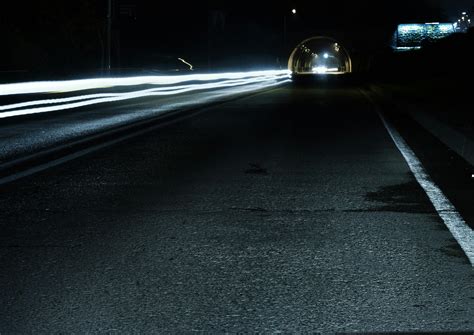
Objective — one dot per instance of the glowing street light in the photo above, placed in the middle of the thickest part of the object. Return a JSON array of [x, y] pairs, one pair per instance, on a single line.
[[326, 56], [285, 24], [463, 23]]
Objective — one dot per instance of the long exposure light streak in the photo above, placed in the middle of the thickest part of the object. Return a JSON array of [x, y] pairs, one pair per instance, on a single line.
[[168, 90], [90, 84], [240, 79], [191, 68]]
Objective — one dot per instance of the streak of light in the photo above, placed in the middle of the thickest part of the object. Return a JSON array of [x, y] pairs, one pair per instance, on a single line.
[[168, 90], [191, 67], [76, 102], [96, 83]]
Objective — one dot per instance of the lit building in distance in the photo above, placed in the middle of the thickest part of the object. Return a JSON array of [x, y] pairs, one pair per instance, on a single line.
[[414, 36]]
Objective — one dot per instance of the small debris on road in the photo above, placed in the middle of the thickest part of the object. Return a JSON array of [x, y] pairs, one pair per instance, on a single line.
[[256, 169]]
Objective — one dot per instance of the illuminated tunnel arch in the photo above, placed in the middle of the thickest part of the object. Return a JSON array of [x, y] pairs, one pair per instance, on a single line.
[[319, 54]]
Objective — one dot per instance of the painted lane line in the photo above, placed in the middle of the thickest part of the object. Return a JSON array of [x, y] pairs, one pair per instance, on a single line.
[[463, 234]]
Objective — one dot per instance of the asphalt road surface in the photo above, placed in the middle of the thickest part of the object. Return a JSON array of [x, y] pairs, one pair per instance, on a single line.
[[291, 210]]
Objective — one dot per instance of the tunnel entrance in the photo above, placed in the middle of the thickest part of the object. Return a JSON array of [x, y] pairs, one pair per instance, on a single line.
[[319, 55]]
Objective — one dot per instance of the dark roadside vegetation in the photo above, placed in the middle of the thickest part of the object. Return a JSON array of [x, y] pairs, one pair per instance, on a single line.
[[437, 79]]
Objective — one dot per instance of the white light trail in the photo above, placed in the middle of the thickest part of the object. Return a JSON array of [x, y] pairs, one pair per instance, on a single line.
[[191, 68], [92, 99], [90, 84], [168, 90]]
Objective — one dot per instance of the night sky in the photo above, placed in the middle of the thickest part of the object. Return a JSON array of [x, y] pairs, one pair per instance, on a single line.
[[184, 20], [241, 26], [452, 8], [53, 31]]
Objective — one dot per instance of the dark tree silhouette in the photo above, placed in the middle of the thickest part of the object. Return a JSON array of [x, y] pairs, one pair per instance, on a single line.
[[52, 36]]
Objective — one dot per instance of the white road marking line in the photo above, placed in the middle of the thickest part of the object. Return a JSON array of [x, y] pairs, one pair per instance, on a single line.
[[463, 234]]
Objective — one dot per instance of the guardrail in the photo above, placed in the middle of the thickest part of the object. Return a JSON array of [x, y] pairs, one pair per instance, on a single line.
[[48, 96]]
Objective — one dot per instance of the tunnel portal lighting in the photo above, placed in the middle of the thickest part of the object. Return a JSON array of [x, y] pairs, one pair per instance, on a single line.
[[322, 57], [320, 69]]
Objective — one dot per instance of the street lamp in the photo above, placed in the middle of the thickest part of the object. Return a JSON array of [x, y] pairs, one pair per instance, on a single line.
[[108, 64], [293, 11]]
